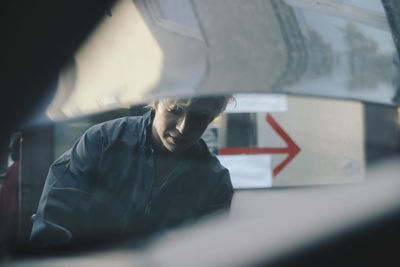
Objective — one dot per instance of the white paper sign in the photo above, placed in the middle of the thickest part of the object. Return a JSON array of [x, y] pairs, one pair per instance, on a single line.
[[257, 103], [248, 171]]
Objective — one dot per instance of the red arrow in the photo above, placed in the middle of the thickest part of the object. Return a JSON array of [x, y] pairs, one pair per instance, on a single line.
[[292, 149]]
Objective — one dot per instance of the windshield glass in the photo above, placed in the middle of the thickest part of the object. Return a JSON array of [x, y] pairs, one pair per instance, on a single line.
[[168, 116]]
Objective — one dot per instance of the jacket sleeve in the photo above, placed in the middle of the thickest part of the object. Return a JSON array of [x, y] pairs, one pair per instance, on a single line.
[[222, 193], [64, 207]]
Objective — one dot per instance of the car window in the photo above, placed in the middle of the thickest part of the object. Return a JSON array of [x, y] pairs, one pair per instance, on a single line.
[[302, 96]]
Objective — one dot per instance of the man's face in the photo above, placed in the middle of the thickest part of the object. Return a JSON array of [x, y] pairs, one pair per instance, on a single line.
[[177, 126]]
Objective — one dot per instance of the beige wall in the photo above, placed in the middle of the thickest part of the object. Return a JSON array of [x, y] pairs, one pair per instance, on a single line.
[[330, 134]]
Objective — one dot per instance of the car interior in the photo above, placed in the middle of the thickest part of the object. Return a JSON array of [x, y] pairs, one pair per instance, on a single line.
[[311, 137]]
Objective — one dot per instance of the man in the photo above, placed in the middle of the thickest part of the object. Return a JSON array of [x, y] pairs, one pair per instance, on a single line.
[[133, 176]]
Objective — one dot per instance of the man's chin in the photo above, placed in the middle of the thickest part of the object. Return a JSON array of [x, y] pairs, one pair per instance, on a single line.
[[176, 149]]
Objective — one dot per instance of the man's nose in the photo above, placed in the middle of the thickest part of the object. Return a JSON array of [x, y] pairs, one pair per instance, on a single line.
[[181, 124]]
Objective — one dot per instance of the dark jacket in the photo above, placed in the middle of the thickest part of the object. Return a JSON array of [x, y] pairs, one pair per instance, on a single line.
[[103, 187]]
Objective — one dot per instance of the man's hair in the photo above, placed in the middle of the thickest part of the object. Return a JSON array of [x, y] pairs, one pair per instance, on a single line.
[[220, 102]]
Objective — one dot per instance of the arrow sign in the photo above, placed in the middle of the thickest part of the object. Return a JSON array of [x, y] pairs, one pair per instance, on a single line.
[[292, 149]]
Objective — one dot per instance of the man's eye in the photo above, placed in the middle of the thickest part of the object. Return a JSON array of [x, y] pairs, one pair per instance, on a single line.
[[175, 110], [201, 117]]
